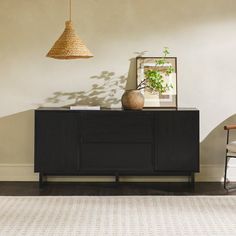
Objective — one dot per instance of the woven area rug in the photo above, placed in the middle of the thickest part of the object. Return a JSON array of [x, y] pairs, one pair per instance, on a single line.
[[118, 215]]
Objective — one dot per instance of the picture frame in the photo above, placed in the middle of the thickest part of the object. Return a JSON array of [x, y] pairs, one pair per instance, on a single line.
[[168, 99]]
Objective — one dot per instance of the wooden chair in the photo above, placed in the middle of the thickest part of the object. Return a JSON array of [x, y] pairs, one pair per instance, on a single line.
[[230, 151]]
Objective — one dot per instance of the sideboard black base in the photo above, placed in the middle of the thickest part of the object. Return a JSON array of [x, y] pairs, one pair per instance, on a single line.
[[190, 175]]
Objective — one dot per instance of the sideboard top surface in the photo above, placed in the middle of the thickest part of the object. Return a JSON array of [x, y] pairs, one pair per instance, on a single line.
[[118, 110]]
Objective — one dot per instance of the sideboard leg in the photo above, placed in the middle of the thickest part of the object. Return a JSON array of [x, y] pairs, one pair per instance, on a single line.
[[117, 178], [40, 180], [192, 179]]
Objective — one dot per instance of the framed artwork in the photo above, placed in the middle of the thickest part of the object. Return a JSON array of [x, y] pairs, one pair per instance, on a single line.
[[155, 99]]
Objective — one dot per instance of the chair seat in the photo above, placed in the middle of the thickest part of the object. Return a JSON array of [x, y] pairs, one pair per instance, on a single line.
[[232, 147]]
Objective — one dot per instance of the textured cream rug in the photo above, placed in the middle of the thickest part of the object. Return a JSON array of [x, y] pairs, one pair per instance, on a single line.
[[118, 215]]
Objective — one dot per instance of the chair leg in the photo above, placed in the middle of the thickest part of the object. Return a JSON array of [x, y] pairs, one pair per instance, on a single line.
[[225, 176]]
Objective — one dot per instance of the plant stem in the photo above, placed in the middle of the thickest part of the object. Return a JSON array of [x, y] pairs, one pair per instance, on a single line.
[[146, 86], [141, 83]]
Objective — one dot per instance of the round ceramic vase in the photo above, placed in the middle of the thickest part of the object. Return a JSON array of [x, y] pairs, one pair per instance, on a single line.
[[132, 100]]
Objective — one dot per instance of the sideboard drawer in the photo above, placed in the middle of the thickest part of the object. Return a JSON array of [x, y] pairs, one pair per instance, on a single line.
[[116, 157], [117, 127]]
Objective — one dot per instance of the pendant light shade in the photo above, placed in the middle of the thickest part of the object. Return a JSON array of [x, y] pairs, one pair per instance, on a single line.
[[69, 45]]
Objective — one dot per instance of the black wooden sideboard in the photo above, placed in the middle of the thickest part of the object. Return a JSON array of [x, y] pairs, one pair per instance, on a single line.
[[117, 142]]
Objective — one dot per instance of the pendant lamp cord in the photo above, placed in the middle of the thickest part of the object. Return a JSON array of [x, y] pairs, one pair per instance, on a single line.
[[70, 9]]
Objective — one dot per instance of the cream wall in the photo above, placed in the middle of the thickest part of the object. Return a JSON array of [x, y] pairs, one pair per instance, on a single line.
[[202, 34]]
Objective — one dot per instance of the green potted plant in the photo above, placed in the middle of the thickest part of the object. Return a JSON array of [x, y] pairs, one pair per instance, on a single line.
[[155, 81]]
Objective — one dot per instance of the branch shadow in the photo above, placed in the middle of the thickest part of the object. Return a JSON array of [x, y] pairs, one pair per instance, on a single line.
[[102, 93], [106, 90], [132, 74]]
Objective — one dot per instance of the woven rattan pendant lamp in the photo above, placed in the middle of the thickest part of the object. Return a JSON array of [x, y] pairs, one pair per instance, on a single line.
[[69, 45]]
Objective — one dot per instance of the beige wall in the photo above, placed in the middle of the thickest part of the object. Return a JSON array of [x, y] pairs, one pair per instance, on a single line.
[[200, 33]]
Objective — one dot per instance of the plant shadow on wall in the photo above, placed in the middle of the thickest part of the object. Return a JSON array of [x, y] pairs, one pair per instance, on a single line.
[[103, 92], [106, 90], [131, 80]]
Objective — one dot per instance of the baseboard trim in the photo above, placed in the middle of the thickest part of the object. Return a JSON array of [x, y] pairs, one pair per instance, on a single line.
[[25, 172], [17, 172]]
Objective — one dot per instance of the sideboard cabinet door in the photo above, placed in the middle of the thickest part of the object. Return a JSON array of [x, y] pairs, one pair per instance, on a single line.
[[56, 145], [177, 141]]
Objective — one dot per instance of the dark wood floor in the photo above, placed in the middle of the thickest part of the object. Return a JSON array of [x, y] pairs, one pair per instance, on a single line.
[[107, 189]]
